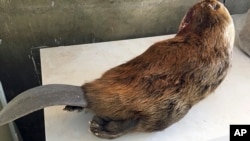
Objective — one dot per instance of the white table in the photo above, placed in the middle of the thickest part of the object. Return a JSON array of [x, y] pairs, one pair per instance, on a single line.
[[208, 120]]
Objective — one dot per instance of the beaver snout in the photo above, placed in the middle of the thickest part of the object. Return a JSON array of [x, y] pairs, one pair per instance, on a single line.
[[213, 4]]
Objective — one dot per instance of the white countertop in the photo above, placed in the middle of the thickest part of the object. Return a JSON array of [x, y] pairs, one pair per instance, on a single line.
[[208, 120]]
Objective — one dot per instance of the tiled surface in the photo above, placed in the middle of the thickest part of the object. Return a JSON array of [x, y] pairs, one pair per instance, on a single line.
[[208, 120]]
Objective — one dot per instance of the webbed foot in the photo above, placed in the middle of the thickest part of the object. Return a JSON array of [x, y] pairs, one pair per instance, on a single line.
[[110, 129]]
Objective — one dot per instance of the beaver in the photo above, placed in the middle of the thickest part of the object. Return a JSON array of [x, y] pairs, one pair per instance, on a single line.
[[153, 90]]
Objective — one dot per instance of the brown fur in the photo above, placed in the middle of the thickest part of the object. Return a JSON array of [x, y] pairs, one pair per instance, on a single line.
[[158, 87]]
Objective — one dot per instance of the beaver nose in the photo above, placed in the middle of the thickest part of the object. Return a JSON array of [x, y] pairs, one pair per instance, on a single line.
[[214, 6], [210, 0]]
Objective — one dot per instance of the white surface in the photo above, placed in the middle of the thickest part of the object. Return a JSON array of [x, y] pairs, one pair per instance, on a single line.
[[209, 120]]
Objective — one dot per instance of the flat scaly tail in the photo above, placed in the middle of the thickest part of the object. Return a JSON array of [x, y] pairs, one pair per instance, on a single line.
[[40, 97]]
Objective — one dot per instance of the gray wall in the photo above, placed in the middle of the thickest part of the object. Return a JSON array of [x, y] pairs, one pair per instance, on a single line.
[[238, 6], [61, 22], [33, 23]]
